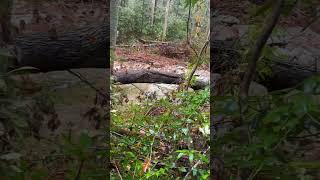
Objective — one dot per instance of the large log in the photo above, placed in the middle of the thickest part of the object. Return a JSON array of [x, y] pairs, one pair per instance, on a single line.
[[151, 76], [285, 72], [82, 48]]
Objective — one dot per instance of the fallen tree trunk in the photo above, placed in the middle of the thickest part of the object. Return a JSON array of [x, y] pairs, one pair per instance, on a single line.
[[286, 74], [151, 76], [82, 48]]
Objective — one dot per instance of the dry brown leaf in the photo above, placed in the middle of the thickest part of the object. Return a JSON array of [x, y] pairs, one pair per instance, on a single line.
[[146, 165]]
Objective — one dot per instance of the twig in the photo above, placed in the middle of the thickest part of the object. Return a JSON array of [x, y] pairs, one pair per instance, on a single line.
[[118, 171], [79, 170], [254, 173], [310, 23], [258, 47], [88, 83], [196, 164], [195, 67]]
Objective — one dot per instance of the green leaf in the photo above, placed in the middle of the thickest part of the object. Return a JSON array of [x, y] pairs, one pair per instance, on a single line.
[[85, 141], [185, 131], [23, 70], [11, 156], [191, 156], [190, 2], [272, 117], [182, 169], [180, 155]]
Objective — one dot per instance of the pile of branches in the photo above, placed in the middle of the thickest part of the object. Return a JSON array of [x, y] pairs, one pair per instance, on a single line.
[[224, 56], [166, 49]]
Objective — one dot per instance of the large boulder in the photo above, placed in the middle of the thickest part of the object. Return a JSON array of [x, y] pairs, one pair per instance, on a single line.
[[138, 93]]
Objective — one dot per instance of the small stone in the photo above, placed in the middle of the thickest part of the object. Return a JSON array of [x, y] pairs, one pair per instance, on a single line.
[[256, 89]]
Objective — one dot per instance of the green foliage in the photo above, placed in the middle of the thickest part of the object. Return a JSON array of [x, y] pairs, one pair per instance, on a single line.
[[191, 3], [268, 55], [266, 143], [134, 21], [167, 140]]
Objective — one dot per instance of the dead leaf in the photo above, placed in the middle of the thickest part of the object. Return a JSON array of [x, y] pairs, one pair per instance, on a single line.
[[146, 165]]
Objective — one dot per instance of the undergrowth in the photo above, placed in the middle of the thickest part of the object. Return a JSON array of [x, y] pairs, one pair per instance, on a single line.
[[276, 137], [167, 138]]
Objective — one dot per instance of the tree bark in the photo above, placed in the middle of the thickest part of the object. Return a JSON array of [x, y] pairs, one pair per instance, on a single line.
[[114, 5], [166, 16], [258, 47], [188, 23], [85, 47], [151, 76], [286, 74], [153, 10]]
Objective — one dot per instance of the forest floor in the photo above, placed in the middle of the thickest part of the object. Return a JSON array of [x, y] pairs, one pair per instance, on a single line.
[[151, 59]]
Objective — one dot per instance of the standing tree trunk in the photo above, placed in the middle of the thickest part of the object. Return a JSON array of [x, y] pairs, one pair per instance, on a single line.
[[153, 10], [5, 26], [114, 4], [166, 16], [188, 23]]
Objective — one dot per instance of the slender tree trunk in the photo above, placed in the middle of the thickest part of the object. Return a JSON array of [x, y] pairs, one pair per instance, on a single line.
[[188, 23], [258, 47], [165, 24], [153, 8], [114, 5], [142, 18]]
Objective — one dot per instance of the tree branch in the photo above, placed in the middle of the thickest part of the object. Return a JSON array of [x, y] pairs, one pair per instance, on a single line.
[[258, 47]]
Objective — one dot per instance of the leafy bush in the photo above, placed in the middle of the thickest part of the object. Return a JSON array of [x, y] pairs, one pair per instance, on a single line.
[[162, 138], [267, 140]]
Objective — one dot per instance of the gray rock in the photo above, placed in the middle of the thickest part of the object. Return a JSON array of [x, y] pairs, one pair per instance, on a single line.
[[223, 33], [256, 89], [226, 19], [136, 92]]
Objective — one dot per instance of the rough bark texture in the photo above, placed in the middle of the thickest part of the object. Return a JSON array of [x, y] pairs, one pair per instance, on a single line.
[[284, 72], [149, 76], [85, 47], [285, 75]]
